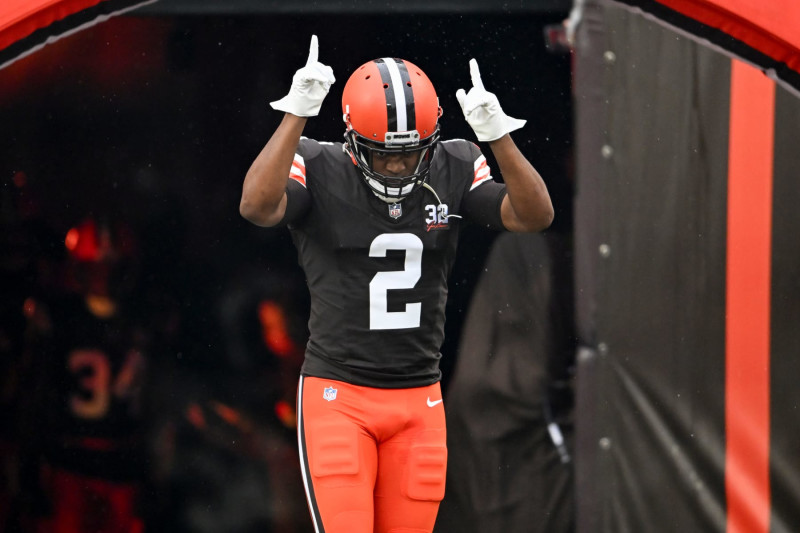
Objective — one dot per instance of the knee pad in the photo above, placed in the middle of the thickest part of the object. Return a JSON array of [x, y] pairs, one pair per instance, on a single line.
[[333, 448], [426, 469]]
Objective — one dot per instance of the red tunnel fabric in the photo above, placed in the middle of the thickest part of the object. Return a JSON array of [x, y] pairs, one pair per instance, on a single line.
[[747, 416], [770, 27], [765, 34], [28, 25]]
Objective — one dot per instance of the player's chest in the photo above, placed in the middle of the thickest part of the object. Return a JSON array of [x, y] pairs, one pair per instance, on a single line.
[[429, 224]]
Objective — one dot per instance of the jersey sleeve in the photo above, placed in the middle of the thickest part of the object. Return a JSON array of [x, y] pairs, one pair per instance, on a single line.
[[482, 202], [298, 199]]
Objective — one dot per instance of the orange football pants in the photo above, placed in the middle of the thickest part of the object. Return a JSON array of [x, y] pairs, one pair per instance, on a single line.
[[373, 460]]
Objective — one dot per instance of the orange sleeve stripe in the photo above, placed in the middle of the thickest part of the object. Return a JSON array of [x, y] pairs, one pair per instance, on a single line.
[[482, 172], [298, 171]]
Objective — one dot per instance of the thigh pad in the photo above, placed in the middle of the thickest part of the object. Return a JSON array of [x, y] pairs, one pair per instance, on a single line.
[[333, 448], [427, 467]]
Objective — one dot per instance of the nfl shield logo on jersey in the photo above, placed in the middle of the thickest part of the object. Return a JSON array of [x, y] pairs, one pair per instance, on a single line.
[[395, 210], [329, 394]]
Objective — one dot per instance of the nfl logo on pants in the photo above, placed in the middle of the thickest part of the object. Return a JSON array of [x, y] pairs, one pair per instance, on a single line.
[[329, 393]]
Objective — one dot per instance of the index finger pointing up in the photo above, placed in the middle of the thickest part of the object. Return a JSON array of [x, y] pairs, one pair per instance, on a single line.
[[475, 73], [313, 51]]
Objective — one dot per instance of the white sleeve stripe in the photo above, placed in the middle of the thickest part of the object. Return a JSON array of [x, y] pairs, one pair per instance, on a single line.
[[478, 182], [298, 170], [483, 172]]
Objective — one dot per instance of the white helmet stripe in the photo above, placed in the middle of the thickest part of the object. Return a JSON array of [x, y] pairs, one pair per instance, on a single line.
[[399, 94]]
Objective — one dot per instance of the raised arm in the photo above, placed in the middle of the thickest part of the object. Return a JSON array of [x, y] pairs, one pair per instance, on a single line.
[[527, 206], [264, 190]]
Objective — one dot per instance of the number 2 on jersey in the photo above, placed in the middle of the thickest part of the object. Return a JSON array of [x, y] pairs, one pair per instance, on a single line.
[[379, 315]]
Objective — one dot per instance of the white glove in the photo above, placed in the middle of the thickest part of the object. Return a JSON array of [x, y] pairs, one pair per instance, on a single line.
[[310, 85], [482, 110]]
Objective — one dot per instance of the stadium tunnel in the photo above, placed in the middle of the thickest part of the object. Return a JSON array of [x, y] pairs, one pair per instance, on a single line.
[[149, 114], [685, 256]]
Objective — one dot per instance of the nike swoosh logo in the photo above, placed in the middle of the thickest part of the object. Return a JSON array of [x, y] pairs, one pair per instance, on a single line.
[[433, 404]]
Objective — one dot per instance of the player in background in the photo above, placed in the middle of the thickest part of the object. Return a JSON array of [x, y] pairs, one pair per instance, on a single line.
[[376, 221], [84, 454]]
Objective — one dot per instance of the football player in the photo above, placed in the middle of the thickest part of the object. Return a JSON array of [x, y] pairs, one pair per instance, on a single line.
[[376, 220], [84, 418]]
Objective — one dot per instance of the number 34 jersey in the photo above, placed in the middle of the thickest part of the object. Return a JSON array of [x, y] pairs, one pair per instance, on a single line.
[[377, 272]]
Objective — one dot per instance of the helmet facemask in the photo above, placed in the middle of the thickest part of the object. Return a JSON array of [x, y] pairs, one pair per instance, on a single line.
[[392, 189]]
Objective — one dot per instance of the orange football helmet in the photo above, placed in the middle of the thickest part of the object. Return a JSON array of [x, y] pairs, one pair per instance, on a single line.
[[391, 107]]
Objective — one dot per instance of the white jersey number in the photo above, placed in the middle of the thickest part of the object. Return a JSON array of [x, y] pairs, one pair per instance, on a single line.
[[379, 315]]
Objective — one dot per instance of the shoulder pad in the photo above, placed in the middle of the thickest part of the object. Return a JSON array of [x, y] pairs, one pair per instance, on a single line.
[[308, 148], [461, 149]]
